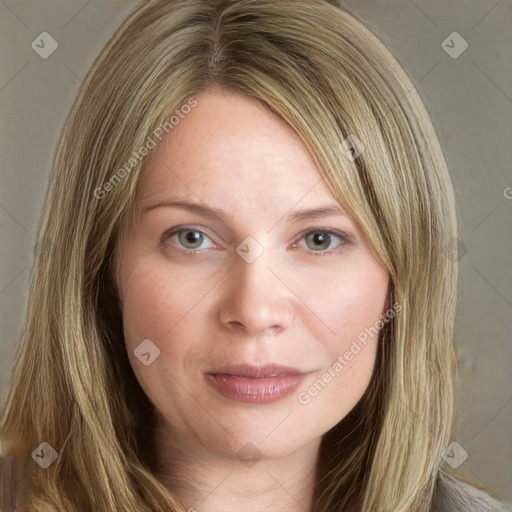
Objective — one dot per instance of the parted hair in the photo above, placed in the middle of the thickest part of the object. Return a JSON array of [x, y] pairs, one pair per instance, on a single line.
[[329, 77]]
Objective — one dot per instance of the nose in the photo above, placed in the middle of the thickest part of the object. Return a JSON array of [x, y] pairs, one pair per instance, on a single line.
[[256, 302]]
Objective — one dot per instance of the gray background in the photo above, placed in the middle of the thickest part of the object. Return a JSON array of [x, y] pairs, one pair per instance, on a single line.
[[469, 99]]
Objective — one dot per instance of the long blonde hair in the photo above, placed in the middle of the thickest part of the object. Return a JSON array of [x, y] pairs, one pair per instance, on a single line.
[[329, 77]]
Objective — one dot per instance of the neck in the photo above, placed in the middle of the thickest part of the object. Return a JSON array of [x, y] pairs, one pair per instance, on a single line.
[[202, 480]]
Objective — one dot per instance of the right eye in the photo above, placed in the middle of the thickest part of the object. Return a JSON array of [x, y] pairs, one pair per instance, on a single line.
[[191, 239]]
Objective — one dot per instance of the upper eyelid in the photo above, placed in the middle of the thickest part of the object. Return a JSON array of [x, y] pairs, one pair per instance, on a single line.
[[330, 231]]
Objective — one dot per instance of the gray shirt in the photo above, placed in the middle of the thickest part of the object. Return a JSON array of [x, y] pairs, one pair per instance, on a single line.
[[453, 495]]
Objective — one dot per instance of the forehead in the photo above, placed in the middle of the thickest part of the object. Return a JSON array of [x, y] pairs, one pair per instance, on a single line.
[[230, 145]]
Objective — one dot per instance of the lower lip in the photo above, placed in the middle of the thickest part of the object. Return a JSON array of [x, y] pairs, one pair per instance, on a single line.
[[259, 391]]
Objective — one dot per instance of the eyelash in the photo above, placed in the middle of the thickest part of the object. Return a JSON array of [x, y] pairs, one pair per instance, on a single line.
[[344, 239]]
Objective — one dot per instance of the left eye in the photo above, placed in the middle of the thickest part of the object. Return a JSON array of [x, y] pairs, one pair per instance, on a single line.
[[319, 240], [190, 239]]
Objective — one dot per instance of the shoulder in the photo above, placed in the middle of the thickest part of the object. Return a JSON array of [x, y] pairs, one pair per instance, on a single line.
[[454, 495]]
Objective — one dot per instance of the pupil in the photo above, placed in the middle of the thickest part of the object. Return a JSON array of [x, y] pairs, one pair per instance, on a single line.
[[192, 237], [321, 239]]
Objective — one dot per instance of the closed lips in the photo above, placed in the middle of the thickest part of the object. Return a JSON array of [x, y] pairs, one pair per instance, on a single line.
[[256, 372], [255, 385]]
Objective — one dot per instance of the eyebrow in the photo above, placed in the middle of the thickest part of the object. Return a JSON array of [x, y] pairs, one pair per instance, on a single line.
[[211, 211]]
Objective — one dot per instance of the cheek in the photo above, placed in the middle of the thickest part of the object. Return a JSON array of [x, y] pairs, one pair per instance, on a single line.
[[349, 306], [168, 308], [334, 391], [156, 301], [347, 303], [150, 308], [156, 307]]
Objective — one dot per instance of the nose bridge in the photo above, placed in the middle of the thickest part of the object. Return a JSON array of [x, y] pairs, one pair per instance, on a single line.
[[256, 300], [255, 280]]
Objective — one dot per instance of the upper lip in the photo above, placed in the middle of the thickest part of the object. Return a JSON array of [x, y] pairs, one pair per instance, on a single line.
[[256, 371]]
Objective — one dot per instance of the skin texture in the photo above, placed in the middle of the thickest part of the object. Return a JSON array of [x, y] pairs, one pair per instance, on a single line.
[[300, 303]]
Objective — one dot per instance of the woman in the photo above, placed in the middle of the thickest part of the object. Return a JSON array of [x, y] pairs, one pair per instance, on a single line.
[[245, 242]]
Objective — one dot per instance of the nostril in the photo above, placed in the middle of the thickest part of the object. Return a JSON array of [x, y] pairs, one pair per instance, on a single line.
[[235, 323], [271, 330]]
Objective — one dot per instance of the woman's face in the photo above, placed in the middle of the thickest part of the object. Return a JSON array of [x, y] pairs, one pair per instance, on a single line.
[[242, 284]]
